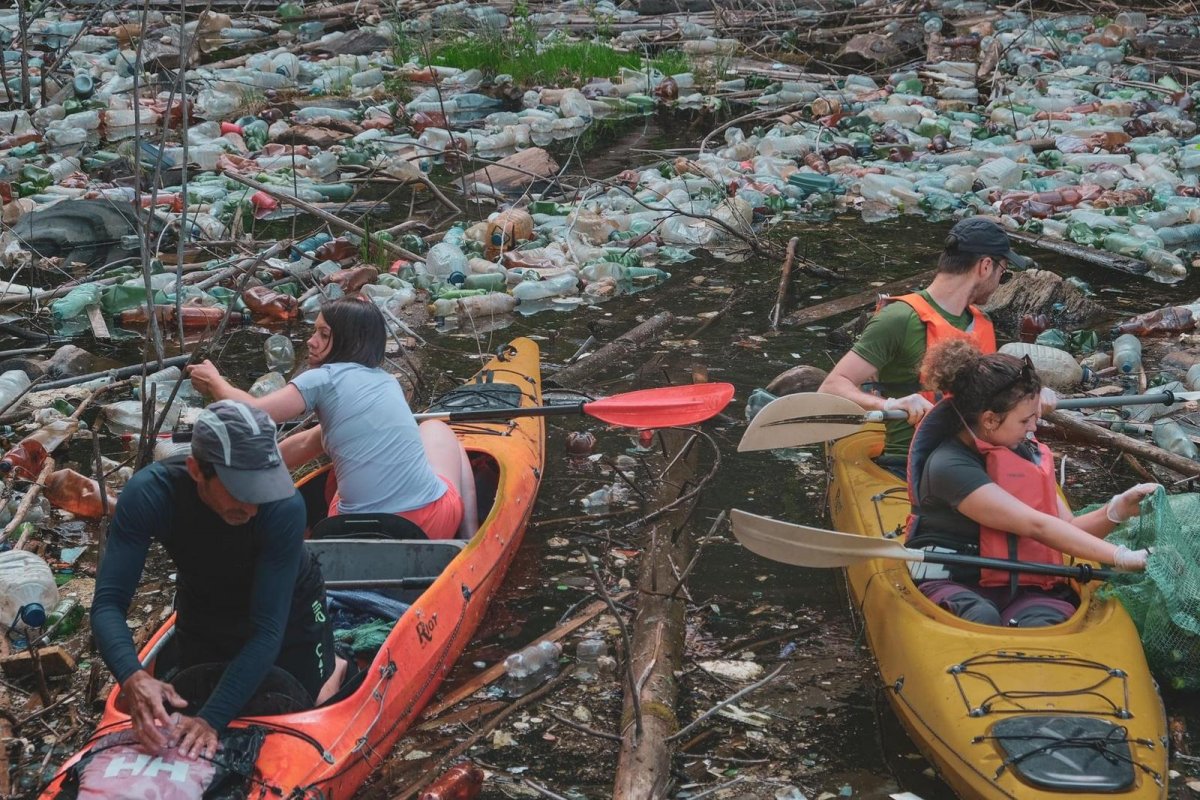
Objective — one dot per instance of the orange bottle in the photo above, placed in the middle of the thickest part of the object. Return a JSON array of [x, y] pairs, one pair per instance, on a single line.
[[78, 494], [267, 304], [30, 453], [460, 782], [351, 280]]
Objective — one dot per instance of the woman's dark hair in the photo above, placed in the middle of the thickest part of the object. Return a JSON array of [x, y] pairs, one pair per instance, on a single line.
[[358, 331], [979, 383]]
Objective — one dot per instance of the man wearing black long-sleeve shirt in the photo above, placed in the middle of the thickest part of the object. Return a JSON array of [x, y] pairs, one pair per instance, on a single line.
[[248, 593]]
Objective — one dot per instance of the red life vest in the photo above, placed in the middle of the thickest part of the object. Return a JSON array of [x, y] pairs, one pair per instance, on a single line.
[[1032, 484], [938, 329]]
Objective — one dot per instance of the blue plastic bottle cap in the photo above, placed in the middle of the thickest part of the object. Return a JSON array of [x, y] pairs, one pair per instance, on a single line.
[[33, 615]]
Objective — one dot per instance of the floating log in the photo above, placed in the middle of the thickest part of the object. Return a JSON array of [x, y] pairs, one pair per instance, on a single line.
[[619, 348], [822, 311], [1075, 429], [511, 174]]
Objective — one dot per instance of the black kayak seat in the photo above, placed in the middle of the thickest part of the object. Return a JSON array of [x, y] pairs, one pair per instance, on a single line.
[[367, 526]]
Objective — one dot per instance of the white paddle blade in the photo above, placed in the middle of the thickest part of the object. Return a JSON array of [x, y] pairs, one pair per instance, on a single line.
[[795, 420], [802, 546]]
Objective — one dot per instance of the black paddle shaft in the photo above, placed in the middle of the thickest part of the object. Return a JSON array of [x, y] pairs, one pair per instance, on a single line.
[[492, 414], [1080, 572]]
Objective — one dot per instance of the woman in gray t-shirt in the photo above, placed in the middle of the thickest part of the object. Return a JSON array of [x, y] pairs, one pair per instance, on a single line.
[[384, 461]]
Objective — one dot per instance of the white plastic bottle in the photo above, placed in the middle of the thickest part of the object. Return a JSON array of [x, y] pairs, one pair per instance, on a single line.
[[27, 590]]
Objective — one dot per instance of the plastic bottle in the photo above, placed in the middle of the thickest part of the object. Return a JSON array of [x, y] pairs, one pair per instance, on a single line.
[[30, 453], [1192, 379], [27, 590], [1031, 325], [1058, 369], [755, 403], [1162, 321], [65, 617], [12, 384], [444, 259], [587, 656], [1172, 438], [564, 285], [75, 303], [1127, 353], [268, 304], [460, 782], [476, 306], [271, 382], [527, 669], [281, 356], [78, 494]]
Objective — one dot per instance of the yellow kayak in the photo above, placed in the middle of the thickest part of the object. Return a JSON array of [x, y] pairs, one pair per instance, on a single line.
[[1068, 710]]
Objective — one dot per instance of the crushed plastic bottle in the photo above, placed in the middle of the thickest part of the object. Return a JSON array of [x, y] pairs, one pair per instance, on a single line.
[[530, 667]]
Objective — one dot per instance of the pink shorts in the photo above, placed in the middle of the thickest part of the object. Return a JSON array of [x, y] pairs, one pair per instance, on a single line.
[[439, 519]]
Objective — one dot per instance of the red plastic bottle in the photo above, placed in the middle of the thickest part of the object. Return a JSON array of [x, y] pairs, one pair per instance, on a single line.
[[460, 782], [1032, 326], [78, 494], [268, 304], [26, 459], [1172, 319]]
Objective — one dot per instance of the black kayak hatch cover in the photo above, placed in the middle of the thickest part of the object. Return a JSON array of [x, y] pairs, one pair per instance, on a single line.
[[1066, 753]]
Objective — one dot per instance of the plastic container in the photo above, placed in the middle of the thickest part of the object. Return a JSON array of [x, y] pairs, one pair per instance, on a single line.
[[266, 384], [12, 384], [280, 354], [460, 782], [476, 306], [529, 668], [1127, 353], [1161, 321], [77, 494], [587, 658], [1171, 437], [755, 403], [27, 590], [1058, 369], [29, 455]]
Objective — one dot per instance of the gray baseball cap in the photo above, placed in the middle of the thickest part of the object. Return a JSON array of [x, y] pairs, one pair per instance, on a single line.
[[984, 237], [239, 441]]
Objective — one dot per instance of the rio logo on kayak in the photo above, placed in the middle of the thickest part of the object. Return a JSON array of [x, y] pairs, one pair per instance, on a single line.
[[425, 629]]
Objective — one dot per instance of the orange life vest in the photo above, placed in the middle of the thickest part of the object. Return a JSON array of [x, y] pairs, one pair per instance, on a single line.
[[938, 328]]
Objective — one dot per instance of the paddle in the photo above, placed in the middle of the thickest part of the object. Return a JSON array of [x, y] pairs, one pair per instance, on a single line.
[[795, 420], [803, 546], [667, 407]]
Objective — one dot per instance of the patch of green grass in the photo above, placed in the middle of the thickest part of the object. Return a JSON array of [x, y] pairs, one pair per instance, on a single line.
[[563, 62], [672, 62]]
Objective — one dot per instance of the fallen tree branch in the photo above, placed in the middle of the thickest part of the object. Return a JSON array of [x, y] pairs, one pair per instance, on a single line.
[[785, 274]]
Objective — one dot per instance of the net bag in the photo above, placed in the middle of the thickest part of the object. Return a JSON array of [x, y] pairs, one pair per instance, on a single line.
[[1164, 601]]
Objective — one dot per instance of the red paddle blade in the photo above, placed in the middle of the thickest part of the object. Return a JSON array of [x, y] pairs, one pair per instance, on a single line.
[[662, 408]]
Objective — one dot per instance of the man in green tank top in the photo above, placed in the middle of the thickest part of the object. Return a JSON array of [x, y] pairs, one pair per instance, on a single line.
[[882, 369]]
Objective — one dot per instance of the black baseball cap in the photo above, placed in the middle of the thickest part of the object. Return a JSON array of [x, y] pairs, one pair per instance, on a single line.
[[239, 441], [984, 237]]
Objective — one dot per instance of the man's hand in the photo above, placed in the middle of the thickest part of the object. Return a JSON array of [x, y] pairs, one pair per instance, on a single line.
[[146, 699], [195, 738], [915, 405]]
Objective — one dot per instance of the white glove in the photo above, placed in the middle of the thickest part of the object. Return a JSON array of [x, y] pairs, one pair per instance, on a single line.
[[914, 405], [1126, 560], [1129, 502]]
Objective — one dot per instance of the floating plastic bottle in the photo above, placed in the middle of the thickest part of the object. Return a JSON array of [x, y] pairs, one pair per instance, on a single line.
[[280, 354], [270, 305], [27, 590], [65, 617], [78, 494], [756, 402], [1171, 437], [529, 668], [587, 658], [29, 455], [1162, 321], [1058, 369], [266, 384], [1127, 353], [460, 782]]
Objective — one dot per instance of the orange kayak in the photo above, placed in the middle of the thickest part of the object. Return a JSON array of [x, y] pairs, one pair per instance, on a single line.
[[329, 751]]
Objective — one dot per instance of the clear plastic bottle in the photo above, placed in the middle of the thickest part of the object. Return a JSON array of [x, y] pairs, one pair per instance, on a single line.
[[281, 356], [756, 402], [12, 383], [1127, 353], [27, 590], [271, 382], [1171, 437], [530, 667], [587, 656]]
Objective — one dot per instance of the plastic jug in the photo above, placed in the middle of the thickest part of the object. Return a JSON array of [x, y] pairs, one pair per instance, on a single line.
[[27, 590], [1058, 369], [1172, 438], [281, 356], [12, 384]]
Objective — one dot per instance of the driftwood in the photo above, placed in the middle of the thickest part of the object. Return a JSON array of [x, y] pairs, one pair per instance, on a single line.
[[1038, 291], [785, 275], [805, 316], [511, 174], [644, 760], [1075, 429], [1134, 266], [615, 350]]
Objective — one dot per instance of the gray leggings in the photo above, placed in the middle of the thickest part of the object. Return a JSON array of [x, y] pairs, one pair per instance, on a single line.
[[1030, 607]]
